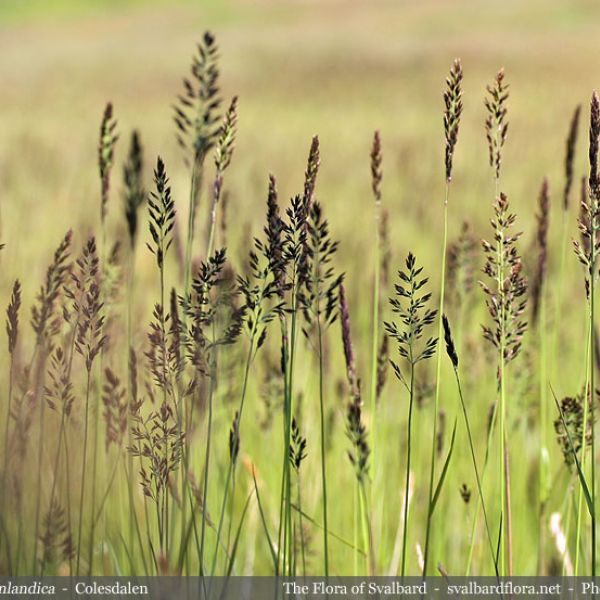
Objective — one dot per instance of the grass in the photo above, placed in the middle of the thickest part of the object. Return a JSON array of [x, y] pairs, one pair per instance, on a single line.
[[183, 501]]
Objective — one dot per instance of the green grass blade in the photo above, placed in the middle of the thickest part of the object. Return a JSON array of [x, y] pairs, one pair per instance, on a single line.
[[331, 533], [237, 536], [438, 489], [264, 522]]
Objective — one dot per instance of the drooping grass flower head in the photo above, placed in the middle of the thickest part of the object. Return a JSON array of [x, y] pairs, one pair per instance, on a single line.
[[450, 347]]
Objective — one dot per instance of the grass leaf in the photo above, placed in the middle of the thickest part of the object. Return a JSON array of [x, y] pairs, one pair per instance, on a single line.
[[438, 489], [237, 536], [264, 522]]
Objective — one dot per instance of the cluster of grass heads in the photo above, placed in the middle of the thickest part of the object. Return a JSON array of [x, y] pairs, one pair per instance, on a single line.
[[215, 436]]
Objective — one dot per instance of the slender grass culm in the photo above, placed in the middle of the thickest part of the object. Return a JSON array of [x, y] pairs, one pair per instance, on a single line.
[[452, 113], [161, 220], [567, 410], [379, 342], [376, 179], [234, 450], [298, 453], [415, 319], [355, 398], [197, 117], [214, 321], [506, 301], [319, 299], [539, 319], [496, 128], [43, 315], [555, 358], [89, 341], [294, 274], [133, 199], [453, 356], [594, 185], [106, 159], [12, 333], [587, 253], [357, 433], [108, 139], [569, 178], [583, 247]]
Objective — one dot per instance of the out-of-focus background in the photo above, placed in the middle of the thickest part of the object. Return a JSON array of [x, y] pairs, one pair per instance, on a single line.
[[339, 69]]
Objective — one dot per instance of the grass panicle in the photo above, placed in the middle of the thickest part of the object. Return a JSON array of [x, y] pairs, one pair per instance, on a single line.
[[571, 146], [452, 113], [106, 156], [537, 285], [224, 151], [496, 124], [133, 181], [410, 332]]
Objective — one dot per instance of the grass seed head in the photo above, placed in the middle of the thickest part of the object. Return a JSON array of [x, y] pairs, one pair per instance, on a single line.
[[356, 431], [161, 212], [312, 170], [496, 125], [114, 398], [376, 172], [133, 179], [234, 438], [450, 347], [297, 446], [197, 111], [12, 317], [452, 113], [543, 218], [572, 408], [506, 297], [106, 156], [571, 146], [410, 304], [56, 277], [593, 147], [351, 372]]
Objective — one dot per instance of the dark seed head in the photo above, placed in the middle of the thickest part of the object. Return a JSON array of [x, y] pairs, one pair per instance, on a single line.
[[450, 348]]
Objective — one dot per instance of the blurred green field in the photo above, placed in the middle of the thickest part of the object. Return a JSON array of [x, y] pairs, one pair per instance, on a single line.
[[339, 69]]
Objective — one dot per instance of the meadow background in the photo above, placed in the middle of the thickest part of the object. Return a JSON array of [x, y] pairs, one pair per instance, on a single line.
[[339, 70]]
